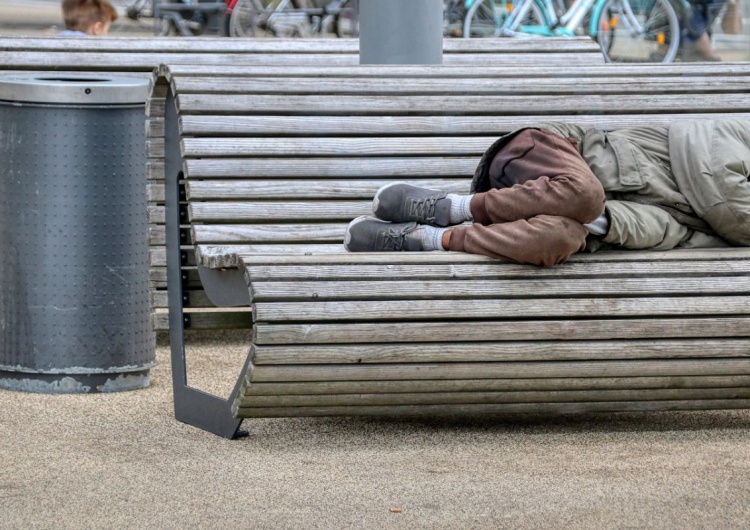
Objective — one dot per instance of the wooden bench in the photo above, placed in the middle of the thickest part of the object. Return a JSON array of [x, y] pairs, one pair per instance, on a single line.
[[722, 81], [141, 56], [263, 58], [263, 175]]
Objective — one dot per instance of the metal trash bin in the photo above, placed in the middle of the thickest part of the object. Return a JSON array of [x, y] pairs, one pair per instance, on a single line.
[[73, 235]]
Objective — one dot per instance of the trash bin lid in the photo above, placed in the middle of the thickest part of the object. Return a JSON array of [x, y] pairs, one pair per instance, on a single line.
[[53, 88]]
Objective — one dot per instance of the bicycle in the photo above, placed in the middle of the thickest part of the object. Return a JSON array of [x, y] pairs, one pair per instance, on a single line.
[[459, 14], [626, 30], [292, 18], [185, 18]]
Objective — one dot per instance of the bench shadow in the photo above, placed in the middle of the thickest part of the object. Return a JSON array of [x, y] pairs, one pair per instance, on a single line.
[[368, 429]]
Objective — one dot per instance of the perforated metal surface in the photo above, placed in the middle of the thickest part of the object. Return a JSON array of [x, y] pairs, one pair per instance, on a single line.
[[73, 244]]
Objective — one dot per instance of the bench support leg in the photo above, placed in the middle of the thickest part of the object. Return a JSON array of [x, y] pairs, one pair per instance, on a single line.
[[191, 405]]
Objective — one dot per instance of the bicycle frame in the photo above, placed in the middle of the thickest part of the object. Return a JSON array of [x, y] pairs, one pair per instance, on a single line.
[[563, 26]]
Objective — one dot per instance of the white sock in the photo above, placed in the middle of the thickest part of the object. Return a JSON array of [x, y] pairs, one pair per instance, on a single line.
[[460, 208], [432, 237], [599, 226]]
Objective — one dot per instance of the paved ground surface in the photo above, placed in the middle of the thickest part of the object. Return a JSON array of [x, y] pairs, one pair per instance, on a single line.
[[122, 461]]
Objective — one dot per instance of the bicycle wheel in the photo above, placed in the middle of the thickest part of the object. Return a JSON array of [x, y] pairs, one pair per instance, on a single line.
[[258, 18], [637, 31], [491, 18]]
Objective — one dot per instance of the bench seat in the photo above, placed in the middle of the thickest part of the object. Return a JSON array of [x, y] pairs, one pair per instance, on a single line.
[[432, 333]]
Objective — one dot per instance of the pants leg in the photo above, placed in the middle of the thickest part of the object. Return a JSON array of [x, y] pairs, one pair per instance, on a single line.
[[543, 192]]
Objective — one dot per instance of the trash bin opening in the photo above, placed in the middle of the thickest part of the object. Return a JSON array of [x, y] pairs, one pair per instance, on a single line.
[[73, 79]]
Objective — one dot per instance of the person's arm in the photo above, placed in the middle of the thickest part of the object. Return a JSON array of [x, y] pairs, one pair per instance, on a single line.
[[642, 226], [566, 130]]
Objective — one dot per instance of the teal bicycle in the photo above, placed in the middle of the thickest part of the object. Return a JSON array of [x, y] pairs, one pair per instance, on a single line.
[[626, 30]]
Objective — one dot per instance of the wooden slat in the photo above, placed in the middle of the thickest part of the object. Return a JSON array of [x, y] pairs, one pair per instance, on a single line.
[[287, 189], [145, 61], [499, 270], [399, 126], [520, 330], [502, 370], [486, 398], [490, 385], [265, 233], [242, 212], [425, 258], [483, 289], [465, 86], [486, 105], [489, 70], [468, 309], [329, 167], [502, 351], [209, 44], [337, 146], [506, 408]]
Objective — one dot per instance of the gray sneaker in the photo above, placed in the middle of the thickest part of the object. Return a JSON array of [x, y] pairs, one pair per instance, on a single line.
[[369, 234], [399, 202]]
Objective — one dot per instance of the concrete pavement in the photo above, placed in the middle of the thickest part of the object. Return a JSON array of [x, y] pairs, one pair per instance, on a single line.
[[122, 461]]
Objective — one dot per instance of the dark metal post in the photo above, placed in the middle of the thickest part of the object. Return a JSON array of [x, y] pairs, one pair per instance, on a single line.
[[401, 31]]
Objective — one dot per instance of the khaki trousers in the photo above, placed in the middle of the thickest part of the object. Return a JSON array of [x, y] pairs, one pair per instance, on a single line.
[[542, 193]]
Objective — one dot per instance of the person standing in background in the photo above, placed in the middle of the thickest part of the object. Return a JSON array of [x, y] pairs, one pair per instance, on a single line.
[[87, 17]]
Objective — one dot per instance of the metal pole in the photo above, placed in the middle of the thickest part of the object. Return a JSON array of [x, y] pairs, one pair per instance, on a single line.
[[401, 31]]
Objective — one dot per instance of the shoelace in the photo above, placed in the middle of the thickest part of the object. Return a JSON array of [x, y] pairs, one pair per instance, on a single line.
[[423, 210], [395, 240]]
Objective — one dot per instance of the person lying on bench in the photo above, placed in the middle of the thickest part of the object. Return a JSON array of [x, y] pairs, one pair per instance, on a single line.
[[543, 193]]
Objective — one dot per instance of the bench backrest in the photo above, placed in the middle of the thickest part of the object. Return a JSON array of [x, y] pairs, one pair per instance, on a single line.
[[141, 56], [282, 162]]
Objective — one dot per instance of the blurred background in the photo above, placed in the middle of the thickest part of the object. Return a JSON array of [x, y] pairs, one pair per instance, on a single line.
[[43, 17]]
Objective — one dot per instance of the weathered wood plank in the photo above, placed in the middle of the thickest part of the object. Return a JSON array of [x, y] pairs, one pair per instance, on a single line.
[[483, 289], [407, 398], [272, 46], [501, 370], [467, 310], [520, 330], [329, 167], [539, 350], [465, 86], [489, 70], [425, 258], [246, 104], [287, 189], [337, 146], [491, 385], [423, 125], [505, 408], [244, 212], [498, 270], [265, 233], [145, 61]]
